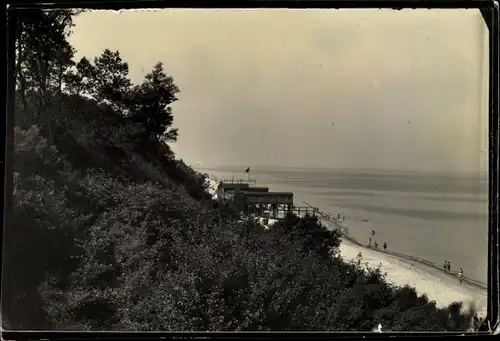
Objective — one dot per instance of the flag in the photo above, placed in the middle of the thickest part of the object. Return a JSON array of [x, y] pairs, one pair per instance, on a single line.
[[248, 170]]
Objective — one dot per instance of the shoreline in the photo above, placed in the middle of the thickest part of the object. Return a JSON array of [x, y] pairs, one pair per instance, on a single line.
[[423, 276], [402, 256], [327, 223], [426, 277], [428, 281]]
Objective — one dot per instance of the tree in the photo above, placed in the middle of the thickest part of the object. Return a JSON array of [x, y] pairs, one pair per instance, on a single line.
[[43, 56], [151, 104], [106, 80], [315, 237]]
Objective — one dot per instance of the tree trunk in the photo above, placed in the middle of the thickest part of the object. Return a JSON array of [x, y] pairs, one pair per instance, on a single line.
[[19, 75], [22, 92], [59, 89], [45, 114]]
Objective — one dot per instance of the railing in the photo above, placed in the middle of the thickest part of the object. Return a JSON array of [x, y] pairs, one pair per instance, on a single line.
[[323, 214], [301, 211], [239, 181]]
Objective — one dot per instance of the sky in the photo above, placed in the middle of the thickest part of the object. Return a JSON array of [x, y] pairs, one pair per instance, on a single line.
[[385, 89]]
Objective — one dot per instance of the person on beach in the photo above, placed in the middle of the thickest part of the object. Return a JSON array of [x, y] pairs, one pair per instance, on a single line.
[[370, 241], [385, 246], [475, 322], [479, 324], [461, 275], [375, 245], [445, 266], [448, 267], [359, 257]]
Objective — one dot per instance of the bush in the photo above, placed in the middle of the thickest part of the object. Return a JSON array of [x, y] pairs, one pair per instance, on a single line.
[[49, 208], [146, 255], [187, 271]]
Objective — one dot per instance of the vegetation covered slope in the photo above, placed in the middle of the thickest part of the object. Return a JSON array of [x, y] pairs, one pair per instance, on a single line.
[[110, 232]]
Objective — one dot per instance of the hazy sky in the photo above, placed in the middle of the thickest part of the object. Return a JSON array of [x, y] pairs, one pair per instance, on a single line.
[[262, 87]]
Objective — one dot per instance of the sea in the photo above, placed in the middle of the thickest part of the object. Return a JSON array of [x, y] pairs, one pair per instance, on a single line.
[[435, 216]]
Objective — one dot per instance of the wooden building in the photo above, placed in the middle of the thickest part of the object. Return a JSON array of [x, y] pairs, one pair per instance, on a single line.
[[260, 201], [263, 204], [227, 190]]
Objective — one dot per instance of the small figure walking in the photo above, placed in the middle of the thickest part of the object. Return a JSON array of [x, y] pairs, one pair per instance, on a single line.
[[461, 275], [359, 257], [375, 245], [445, 266], [475, 322], [369, 241], [385, 246], [448, 267]]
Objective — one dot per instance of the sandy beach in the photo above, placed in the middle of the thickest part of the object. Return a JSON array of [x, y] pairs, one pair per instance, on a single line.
[[426, 279]]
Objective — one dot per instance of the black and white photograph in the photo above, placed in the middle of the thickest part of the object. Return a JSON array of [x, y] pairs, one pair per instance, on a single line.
[[248, 170]]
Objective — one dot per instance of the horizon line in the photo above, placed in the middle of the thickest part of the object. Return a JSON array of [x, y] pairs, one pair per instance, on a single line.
[[222, 167]]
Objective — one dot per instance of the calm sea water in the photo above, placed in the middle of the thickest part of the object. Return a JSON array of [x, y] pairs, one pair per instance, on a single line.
[[434, 216]]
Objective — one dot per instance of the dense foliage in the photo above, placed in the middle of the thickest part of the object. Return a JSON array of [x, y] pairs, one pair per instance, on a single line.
[[110, 232]]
